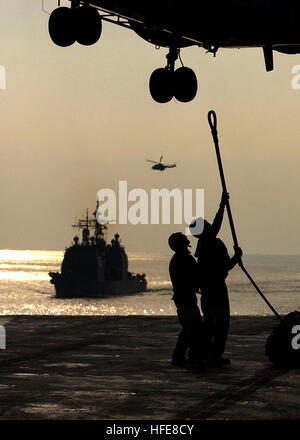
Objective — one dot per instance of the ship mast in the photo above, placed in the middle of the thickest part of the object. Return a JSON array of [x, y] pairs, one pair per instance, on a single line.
[[88, 223], [99, 227]]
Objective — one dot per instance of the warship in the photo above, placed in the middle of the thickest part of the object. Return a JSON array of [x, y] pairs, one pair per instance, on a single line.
[[94, 268]]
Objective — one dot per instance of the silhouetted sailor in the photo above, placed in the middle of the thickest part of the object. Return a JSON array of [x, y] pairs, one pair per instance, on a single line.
[[214, 264], [183, 273]]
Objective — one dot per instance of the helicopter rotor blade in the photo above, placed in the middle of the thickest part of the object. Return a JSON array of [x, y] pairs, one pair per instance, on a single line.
[[160, 159], [153, 161]]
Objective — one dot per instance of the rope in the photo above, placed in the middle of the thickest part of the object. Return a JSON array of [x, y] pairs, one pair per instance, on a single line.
[[212, 120]]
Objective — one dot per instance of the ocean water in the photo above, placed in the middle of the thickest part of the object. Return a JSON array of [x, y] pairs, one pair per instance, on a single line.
[[25, 288]]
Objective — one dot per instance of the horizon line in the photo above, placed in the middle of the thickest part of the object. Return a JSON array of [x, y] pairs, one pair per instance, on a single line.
[[153, 252]]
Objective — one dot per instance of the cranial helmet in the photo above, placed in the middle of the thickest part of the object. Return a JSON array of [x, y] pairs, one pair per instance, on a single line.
[[198, 226]]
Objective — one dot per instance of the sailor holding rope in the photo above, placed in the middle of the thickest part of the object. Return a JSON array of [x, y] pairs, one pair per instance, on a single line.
[[214, 264]]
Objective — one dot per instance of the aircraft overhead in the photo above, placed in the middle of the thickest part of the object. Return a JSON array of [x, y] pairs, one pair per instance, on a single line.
[[161, 166], [211, 25]]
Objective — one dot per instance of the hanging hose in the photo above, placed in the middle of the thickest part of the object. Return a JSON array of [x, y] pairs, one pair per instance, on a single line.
[[212, 120]]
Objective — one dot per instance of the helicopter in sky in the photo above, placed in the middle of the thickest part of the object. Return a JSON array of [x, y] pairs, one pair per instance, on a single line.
[[161, 166]]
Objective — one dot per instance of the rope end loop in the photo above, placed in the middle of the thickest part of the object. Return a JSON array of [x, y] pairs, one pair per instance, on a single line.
[[212, 120]]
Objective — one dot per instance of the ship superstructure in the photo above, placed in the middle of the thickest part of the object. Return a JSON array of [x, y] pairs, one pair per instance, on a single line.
[[94, 268]]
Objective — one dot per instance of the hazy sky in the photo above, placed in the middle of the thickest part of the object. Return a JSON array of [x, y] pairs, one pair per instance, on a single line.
[[75, 120]]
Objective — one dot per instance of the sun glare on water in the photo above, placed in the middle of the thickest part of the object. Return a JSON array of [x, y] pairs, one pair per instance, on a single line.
[[27, 265]]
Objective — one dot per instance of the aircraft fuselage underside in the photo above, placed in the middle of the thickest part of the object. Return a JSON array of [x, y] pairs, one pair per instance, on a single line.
[[232, 23], [211, 24]]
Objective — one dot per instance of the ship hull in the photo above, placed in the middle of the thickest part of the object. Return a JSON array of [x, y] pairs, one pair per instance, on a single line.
[[72, 288]]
